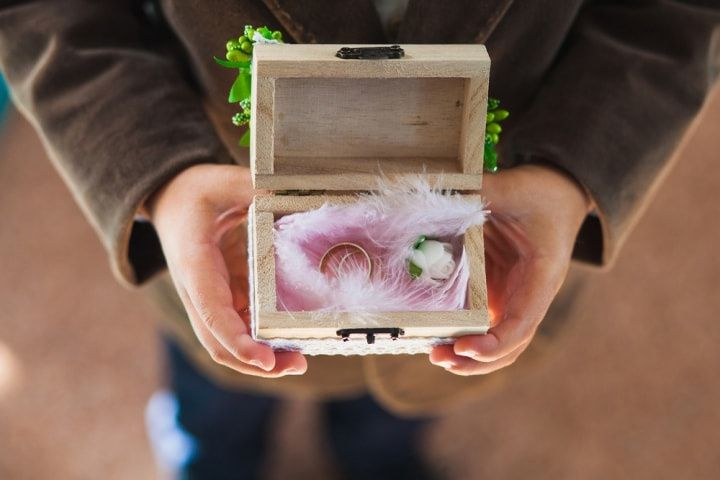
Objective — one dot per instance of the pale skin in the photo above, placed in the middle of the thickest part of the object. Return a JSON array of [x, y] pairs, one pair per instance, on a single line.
[[536, 214]]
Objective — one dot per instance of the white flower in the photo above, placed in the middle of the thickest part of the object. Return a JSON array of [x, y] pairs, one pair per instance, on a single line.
[[258, 38], [434, 258]]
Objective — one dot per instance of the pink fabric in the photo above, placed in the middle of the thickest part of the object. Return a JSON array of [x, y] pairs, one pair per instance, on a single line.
[[386, 226]]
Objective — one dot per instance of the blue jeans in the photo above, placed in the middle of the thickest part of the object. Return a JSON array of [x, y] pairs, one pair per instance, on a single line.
[[206, 432]]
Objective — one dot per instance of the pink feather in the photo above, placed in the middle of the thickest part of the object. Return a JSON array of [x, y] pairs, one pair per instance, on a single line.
[[386, 224]]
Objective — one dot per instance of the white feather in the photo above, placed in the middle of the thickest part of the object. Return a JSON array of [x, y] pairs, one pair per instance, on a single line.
[[387, 221]]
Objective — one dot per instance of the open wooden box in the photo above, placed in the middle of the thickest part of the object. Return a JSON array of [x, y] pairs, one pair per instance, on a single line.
[[331, 126]]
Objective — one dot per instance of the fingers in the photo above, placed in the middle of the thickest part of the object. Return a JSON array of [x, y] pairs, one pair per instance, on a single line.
[[445, 357], [289, 363], [211, 303], [284, 363], [503, 344], [525, 309], [194, 215], [529, 242], [212, 308]]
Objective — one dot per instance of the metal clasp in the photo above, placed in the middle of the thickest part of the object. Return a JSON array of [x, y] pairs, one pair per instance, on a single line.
[[370, 53], [370, 333]]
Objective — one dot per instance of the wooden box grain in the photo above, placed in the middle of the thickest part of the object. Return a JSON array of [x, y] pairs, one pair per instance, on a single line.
[[332, 126]]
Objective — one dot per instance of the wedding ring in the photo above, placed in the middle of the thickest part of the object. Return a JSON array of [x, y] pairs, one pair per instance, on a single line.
[[354, 249]]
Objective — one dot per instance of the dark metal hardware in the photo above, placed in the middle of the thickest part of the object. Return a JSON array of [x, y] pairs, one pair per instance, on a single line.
[[299, 193], [370, 333], [370, 53]]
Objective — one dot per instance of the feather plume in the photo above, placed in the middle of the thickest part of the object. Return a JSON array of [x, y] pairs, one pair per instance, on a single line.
[[386, 224]]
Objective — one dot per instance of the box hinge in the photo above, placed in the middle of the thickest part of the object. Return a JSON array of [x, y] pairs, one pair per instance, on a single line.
[[370, 333]]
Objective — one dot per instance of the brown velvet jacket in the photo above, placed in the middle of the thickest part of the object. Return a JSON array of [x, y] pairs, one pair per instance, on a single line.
[[125, 96]]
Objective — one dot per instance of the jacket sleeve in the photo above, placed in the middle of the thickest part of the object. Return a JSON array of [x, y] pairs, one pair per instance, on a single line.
[[117, 117], [630, 80]]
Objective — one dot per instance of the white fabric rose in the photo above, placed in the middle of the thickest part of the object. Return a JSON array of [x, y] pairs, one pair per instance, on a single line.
[[434, 258]]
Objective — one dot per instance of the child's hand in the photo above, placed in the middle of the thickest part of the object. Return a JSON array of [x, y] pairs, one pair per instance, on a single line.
[[209, 270], [536, 212]]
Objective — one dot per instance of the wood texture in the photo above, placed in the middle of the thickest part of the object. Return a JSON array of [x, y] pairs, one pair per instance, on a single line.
[[358, 181], [261, 128], [350, 166], [472, 145], [263, 260], [325, 123], [271, 323], [298, 61], [477, 284], [326, 325], [372, 118], [281, 204], [322, 123]]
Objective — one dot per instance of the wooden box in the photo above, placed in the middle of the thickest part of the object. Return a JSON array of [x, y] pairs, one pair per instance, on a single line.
[[331, 126]]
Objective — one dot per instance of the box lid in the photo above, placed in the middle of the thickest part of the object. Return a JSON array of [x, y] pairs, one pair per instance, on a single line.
[[325, 123]]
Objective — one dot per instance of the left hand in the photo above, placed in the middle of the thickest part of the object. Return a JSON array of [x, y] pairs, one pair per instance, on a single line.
[[536, 212], [197, 215]]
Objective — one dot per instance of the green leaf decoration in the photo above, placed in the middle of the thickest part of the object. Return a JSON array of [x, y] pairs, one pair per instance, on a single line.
[[414, 270], [419, 242], [239, 55], [265, 32], [495, 115], [240, 89], [229, 64], [490, 159], [501, 115], [245, 139]]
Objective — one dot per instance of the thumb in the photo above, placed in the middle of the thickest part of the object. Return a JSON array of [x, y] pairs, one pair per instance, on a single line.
[[525, 310]]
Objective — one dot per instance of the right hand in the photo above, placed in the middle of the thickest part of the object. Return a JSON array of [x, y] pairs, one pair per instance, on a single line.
[[537, 212], [210, 270]]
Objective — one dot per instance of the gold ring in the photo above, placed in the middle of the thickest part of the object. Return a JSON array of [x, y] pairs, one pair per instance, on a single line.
[[323, 260]]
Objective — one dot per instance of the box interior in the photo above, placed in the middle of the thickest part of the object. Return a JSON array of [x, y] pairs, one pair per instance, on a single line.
[[269, 322], [367, 125], [458, 243]]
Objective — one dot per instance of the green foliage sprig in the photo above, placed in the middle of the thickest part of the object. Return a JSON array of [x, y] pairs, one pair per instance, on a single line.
[[239, 56], [495, 115]]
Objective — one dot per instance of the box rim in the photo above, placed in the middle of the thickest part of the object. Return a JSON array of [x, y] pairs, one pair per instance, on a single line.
[[292, 204], [270, 62]]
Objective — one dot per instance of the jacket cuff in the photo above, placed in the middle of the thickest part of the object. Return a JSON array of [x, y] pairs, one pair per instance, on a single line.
[[589, 244], [131, 240], [615, 104]]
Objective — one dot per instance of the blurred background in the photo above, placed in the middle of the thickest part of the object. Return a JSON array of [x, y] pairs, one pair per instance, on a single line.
[[630, 391]]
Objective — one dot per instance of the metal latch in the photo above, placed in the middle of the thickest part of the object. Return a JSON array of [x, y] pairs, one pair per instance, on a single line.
[[370, 53], [370, 333]]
